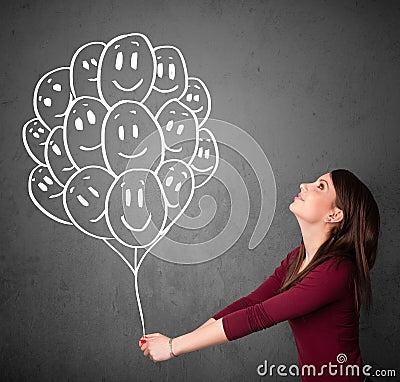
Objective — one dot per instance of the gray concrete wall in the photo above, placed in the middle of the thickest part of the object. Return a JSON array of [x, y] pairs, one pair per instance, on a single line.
[[316, 83]]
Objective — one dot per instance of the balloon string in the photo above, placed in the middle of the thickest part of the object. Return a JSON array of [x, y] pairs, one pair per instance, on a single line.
[[135, 274], [135, 259], [137, 295], [162, 234], [121, 256]]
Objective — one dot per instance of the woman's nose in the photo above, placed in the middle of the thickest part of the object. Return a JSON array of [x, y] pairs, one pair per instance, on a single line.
[[302, 187]]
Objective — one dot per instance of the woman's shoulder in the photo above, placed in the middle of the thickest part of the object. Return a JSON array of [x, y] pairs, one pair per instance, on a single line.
[[342, 263], [339, 265], [291, 256]]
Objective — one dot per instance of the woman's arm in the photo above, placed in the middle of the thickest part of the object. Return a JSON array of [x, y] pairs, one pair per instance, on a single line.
[[158, 348], [321, 286], [206, 335], [266, 290], [208, 322]]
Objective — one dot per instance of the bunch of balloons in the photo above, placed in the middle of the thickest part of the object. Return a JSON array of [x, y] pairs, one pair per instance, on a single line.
[[120, 143]]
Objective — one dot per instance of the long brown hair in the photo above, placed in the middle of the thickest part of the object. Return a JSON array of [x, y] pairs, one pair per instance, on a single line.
[[355, 237]]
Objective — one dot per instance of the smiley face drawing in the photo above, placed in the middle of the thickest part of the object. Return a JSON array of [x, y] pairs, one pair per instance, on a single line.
[[52, 96], [82, 132], [56, 157], [85, 69], [127, 69], [198, 99], [136, 208], [84, 200], [125, 128], [207, 158], [34, 136], [171, 77], [180, 129], [46, 194], [177, 180]]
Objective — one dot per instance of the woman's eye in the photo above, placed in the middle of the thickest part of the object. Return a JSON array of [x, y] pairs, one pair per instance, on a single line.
[[321, 186]]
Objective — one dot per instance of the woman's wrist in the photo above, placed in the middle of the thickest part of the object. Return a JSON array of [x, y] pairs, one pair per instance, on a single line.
[[171, 349], [177, 346]]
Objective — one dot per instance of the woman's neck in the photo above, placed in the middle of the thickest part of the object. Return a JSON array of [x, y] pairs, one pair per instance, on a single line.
[[313, 237]]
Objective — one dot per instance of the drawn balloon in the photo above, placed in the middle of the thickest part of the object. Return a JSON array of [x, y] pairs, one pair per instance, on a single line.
[[52, 96], [56, 158], [84, 200], [180, 129], [82, 131], [84, 71], [34, 136], [46, 194], [118, 142], [171, 80], [125, 127]]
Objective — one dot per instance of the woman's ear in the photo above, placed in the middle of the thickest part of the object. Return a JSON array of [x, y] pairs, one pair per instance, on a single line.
[[335, 216]]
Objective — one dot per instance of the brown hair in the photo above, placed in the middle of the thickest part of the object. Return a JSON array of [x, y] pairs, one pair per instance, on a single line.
[[355, 237]]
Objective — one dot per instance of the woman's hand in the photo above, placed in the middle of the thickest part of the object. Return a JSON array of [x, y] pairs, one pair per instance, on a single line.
[[156, 347]]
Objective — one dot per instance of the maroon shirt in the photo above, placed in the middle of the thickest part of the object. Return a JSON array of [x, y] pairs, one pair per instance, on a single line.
[[320, 309]]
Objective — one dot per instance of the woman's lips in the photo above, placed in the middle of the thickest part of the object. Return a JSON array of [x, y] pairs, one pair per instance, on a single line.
[[299, 197]]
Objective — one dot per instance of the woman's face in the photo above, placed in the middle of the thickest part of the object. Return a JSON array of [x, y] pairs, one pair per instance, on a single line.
[[316, 201]]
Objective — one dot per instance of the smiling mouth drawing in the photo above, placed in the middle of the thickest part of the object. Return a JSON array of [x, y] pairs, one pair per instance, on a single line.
[[173, 205], [205, 170], [85, 148], [95, 220], [120, 87], [133, 155], [56, 195], [68, 168], [174, 150], [199, 109], [127, 225], [166, 91]]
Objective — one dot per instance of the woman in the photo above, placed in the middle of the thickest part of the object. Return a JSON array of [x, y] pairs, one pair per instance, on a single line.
[[319, 287]]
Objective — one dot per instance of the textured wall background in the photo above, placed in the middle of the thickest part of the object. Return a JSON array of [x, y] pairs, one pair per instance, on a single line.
[[316, 83]]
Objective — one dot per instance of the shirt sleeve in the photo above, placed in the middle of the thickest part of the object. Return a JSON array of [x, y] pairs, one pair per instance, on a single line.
[[267, 289], [321, 286]]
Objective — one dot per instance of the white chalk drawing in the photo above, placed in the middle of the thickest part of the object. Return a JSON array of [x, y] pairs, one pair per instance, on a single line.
[[123, 142], [84, 73], [46, 194], [34, 136], [198, 99], [207, 157], [180, 128], [56, 158], [52, 96], [127, 69], [125, 126], [84, 200], [171, 81], [82, 132]]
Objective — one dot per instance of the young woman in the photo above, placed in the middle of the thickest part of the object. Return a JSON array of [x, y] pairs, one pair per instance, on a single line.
[[319, 287]]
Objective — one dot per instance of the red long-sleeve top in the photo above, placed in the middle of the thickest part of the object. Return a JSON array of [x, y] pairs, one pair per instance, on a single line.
[[320, 310]]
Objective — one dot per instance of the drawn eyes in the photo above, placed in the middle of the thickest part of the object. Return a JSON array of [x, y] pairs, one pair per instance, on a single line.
[[86, 65], [91, 117], [121, 132], [128, 197], [190, 97], [119, 61], [171, 70]]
